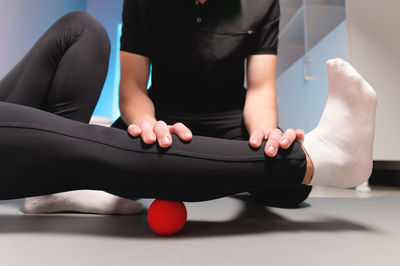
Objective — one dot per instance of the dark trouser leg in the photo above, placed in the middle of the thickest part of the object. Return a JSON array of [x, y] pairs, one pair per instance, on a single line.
[[229, 125], [64, 71], [43, 153], [286, 196]]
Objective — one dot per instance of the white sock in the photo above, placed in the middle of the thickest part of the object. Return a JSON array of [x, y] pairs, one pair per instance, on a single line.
[[340, 147], [364, 188], [85, 201]]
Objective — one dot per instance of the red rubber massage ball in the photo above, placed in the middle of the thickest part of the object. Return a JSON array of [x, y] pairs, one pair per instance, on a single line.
[[166, 217]]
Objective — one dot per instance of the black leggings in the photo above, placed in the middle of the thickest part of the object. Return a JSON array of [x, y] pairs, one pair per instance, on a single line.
[[46, 145]]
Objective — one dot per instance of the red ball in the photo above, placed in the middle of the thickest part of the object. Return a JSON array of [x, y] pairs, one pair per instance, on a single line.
[[166, 217]]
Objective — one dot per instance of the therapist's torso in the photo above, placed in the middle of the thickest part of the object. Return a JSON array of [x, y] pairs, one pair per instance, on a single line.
[[197, 51]]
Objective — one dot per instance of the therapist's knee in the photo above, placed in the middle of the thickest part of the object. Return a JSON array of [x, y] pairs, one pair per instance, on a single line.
[[283, 197]]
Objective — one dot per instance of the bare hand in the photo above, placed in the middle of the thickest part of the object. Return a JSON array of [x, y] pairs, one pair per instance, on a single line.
[[275, 139], [160, 132]]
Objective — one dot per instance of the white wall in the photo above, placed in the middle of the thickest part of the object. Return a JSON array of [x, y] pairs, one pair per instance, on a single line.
[[22, 22], [374, 29], [109, 13]]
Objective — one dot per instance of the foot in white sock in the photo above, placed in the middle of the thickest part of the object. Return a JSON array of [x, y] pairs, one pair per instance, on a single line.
[[85, 201], [340, 147]]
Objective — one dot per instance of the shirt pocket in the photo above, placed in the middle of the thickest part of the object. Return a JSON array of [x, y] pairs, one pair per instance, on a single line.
[[230, 45]]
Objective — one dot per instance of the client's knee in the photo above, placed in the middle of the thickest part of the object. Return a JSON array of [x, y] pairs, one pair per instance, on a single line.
[[83, 24]]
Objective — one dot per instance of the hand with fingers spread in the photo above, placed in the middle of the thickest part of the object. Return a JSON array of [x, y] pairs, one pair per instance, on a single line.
[[160, 132], [275, 139]]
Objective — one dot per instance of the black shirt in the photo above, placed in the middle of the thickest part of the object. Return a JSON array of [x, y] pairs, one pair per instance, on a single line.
[[197, 51]]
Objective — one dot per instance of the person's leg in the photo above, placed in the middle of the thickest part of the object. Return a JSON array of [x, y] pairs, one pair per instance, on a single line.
[[63, 73], [37, 144], [48, 154], [287, 196], [230, 125]]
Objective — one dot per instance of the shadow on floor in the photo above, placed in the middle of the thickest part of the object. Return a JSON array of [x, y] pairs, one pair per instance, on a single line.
[[254, 219]]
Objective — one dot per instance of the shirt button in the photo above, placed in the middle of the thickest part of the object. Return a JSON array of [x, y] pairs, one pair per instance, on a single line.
[[199, 19]]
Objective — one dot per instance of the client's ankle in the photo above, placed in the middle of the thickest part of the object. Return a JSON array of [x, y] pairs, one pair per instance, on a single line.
[[309, 169]]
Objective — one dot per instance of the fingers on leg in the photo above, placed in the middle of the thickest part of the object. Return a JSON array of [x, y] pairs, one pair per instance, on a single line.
[[287, 138], [148, 135], [181, 131], [162, 134], [134, 130], [272, 145]]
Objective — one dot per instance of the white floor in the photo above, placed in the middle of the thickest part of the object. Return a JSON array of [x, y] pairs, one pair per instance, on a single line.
[[334, 227]]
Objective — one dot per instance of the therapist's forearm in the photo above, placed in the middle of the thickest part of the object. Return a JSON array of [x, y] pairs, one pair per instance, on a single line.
[[137, 108], [260, 110]]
